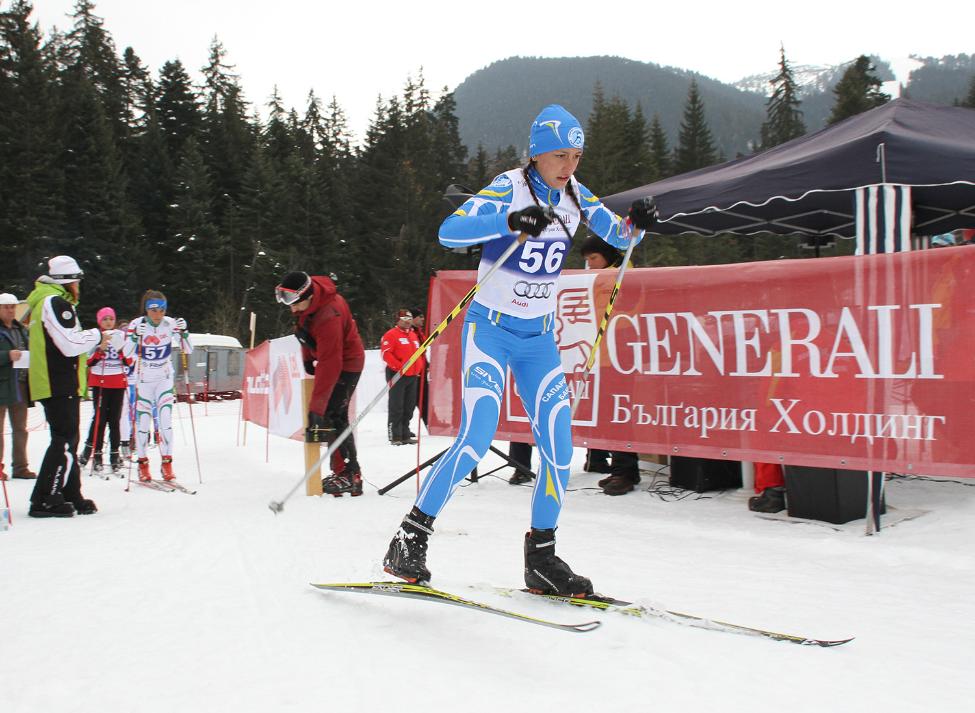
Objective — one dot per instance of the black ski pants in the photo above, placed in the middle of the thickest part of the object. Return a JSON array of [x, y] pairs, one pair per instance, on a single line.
[[59, 471], [337, 416], [402, 402], [108, 412]]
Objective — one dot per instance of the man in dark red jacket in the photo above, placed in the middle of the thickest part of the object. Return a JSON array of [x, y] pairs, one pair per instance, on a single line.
[[398, 346], [333, 353]]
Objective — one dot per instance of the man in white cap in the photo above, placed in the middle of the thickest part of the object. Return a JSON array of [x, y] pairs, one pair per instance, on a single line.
[[14, 394], [58, 365]]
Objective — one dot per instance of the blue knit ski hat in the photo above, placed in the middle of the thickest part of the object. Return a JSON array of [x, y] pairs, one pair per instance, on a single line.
[[555, 128]]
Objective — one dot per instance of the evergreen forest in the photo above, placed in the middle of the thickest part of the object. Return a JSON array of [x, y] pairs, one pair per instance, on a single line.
[[152, 179]]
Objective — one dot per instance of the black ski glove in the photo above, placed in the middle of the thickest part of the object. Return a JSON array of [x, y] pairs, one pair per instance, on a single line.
[[319, 430], [643, 213], [532, 220], [309, 367]]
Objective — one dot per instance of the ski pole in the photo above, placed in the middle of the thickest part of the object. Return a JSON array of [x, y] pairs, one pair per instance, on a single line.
[[189, 405], [134, 407], [278, 505], [609, 310], [94, 435], [6, 499]]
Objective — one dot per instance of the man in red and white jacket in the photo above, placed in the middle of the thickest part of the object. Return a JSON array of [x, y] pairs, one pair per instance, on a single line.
[[398, 345]]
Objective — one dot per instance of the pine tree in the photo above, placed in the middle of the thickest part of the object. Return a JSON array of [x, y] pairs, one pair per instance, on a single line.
[[857, 91], [31, 176], [970, 99], [194, 279], [660, 156], [91, 51], [608, 147], [639, 167], [478, 169], [695, 147], [177, 107], [99, 229], [226, 141], [783, 117]]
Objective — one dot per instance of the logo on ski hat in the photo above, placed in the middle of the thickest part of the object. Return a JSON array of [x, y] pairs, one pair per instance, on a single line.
[[64, 270], [555, 128]]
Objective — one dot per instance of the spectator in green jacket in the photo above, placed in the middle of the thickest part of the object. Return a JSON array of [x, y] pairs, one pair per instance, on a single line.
[[58, 369]]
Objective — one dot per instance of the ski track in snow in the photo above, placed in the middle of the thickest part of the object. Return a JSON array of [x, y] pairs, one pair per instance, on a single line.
[[167, 602]]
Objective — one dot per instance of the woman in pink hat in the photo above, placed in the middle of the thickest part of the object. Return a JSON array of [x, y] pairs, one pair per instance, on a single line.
[[107, 382]]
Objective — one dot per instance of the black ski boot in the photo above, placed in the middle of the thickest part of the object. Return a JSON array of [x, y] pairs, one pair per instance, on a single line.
[[348, 481], [85, 455], [84, 506], [52, 506], [115, 460], [98, 466], [547, 574], [771, 500], [406, 557], [521, 477]]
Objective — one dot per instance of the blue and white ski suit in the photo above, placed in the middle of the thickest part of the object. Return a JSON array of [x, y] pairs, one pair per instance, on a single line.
[[510, 324]]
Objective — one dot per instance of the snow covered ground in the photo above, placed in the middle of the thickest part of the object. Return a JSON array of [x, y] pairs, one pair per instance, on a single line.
[[169, 602]]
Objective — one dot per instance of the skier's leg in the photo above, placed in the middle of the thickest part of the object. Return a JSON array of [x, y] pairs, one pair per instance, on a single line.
[[165, 403], [486, 349], [485, 353], [145, 399], [545, 395]]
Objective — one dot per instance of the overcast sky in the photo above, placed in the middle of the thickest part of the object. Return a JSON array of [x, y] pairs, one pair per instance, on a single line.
[[358, 51]]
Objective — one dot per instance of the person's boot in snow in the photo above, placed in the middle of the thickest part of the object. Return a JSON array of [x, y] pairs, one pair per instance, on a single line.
[[406, 557], [520, 477], [85, 455], [53, 505], [348, 481], [547, 574], [771, 500], [618, 485], [144, 475], [98, 466], [84, 506], [115, 460], [166, 467]]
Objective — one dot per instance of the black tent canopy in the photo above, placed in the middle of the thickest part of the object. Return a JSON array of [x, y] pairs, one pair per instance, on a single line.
[[903, 167]]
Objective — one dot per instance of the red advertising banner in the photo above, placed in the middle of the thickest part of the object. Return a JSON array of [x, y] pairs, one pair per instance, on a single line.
[[256, 384], [272, 387], [851, 362]]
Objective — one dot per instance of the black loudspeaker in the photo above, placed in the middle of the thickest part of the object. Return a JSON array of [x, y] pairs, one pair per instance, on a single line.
[[829, 494], [703, 474]]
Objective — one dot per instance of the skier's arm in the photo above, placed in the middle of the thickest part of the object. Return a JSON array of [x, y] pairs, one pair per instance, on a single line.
[[605, 223], [182, 332], [131, 341], [62, 327], [483, 217]]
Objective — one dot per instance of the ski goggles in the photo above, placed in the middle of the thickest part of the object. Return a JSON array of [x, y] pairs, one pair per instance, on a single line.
[[156, 304], [287, 296]]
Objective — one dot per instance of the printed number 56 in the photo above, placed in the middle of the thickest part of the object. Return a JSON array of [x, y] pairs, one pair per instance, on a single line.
[[534, 256]]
